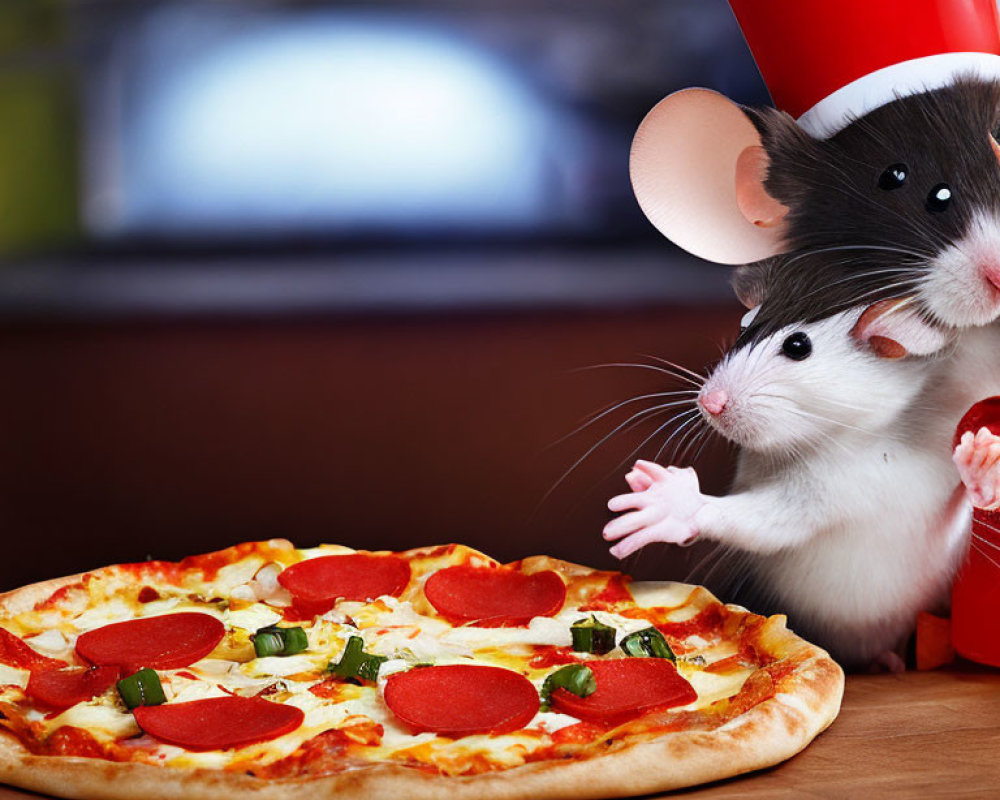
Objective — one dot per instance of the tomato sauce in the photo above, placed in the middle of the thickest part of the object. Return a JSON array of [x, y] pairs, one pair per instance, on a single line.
[[147, 594], [725, 665], [548, 655], [71, 741], [17, 653], [211, 563], [323, 754], [614, 594], [330, 689], [60, 595], [707, 621]]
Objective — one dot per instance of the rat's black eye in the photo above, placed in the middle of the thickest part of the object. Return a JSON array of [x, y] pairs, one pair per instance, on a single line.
[[939, 199], [797, 346], [893, 177]]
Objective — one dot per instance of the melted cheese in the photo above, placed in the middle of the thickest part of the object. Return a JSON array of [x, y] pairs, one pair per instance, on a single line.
[[11, 676], [252, 618], [99, 716], [389, 627], [659, 594], [710, 686]]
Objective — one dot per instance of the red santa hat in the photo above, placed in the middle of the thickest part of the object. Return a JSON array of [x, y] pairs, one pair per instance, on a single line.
[[828, 62]]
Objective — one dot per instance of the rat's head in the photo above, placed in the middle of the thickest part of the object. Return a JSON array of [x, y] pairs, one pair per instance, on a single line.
[[783, 387], [904, 200]]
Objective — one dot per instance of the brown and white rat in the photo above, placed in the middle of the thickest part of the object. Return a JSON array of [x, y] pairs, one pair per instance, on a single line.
[[846, 501]]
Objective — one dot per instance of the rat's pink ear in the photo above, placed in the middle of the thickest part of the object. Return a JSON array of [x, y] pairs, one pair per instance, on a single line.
[[698, 171], [996, 146], [894, 329]]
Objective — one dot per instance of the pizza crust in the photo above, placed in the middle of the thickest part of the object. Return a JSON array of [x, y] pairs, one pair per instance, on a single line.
[[25, 598], [805, 703]]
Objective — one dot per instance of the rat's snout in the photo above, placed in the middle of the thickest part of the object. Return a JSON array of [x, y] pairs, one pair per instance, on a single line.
[[989, 268], [714, 402]]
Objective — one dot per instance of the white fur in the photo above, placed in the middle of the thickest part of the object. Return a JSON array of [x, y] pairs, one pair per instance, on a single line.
[[777, 404], [957, 289], [846, 501], [862, 529]]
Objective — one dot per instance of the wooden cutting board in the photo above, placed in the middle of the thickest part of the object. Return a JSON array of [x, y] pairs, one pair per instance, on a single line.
[[925, 735]]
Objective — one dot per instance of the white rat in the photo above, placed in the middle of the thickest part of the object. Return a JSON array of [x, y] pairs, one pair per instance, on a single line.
[[845, 499]]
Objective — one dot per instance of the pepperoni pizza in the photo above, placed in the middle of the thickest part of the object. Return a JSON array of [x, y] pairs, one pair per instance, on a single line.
[[435, 672]]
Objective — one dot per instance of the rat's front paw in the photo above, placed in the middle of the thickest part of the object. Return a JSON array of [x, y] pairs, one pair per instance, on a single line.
[[977, 458], [888, 661], [664, 511]]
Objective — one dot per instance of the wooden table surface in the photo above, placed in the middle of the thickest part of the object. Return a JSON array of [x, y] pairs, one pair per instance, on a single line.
[[925, 735]]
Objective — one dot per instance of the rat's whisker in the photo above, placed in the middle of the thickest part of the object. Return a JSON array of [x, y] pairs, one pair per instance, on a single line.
[[685, 370], [628, 459], [692, 419], [700, 432], [630, 422], [793, 408], [611, 409], [706, 437], [652, 367], [692, 573]]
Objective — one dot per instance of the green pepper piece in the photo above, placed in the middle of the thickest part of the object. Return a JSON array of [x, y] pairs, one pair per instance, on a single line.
[[142, 688], [275, 641], [295, 640], [592, 636], [647, 643], [577, 679], [355, 663], [267, 643]]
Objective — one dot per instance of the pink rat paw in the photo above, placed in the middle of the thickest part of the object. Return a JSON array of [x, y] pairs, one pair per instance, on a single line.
[[638, 481], [888, 661], [977, 458], [662, 508]]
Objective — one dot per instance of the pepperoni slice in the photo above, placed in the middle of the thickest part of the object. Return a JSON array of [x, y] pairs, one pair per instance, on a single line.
[[218, 723], [167, 642], [494, 596], [318, 583], [627, 688], [462, 699], [17, 653], [62, 688]]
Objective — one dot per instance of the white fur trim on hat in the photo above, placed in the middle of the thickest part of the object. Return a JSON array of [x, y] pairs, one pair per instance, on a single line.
[[834, 113]]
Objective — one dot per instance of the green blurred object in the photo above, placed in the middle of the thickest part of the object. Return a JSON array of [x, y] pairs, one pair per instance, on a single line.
[[39, 171]]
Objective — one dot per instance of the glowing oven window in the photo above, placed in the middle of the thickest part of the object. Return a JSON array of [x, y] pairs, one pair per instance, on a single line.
[[330, 121]]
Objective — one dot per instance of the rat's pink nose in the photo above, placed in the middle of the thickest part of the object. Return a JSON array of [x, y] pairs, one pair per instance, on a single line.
[[714, 402], [990, 270]]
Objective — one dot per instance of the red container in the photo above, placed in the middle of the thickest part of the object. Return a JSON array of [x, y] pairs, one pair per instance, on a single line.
[[975, 596]]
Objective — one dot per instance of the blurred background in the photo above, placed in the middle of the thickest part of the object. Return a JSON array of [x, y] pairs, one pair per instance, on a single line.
[[339, 272]]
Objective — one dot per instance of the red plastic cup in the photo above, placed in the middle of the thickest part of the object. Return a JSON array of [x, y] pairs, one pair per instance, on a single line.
[[975, 595]]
